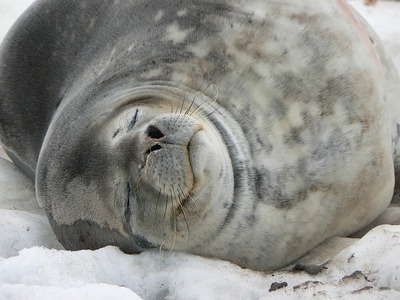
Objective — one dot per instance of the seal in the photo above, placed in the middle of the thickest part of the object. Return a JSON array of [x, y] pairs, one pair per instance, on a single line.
[[249, 131]]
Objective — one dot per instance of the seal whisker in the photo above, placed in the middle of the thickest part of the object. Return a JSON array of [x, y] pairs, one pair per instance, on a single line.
[[180, 196], [174, 230], [201, 107], [191, 104], [159, 184], [181, 107], [212, 102], [172, 246], [176, 109], [183, 102], [166, 203], [184, 199], [201, 104], [195, 205], [158, 201], [194, 202], [161, 249], [186, 219]]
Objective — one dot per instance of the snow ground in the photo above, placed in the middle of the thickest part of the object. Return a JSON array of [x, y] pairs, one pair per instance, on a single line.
[[33, 266]]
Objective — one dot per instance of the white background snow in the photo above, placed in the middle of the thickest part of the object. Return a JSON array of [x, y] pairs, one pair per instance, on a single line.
[[33, 266]]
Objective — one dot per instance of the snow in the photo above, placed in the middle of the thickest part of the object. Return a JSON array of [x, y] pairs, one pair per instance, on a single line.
[[34, 266], [109, 274]]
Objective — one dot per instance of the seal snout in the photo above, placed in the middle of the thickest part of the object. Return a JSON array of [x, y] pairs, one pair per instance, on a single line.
[[155, 134], [166, 146]]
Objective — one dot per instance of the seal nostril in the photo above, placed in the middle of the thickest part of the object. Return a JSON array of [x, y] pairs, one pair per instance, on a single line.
[[153, 148], [154, 133]]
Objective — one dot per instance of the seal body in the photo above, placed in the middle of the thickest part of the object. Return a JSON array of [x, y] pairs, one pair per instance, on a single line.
[[247, 130]]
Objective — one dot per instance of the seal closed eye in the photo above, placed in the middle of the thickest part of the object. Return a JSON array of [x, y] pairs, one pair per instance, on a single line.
[[240, 130]]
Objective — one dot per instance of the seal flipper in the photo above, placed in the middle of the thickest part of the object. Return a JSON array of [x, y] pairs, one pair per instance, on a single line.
[[36, 57]]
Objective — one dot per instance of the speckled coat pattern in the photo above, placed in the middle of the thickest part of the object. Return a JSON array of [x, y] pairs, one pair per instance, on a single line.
[[296, 103]]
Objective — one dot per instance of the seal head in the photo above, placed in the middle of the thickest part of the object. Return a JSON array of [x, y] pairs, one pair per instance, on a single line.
[[140, 172]]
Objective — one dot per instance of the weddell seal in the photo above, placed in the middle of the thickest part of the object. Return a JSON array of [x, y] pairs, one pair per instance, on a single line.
[[246, 130]]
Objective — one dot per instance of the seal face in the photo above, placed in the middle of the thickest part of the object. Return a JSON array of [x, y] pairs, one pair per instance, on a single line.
[[249, 131]]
